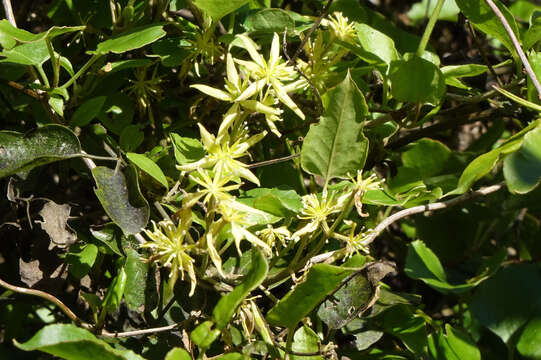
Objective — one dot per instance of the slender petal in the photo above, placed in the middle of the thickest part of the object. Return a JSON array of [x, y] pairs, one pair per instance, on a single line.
[[251, 47], [232, 74], [215, 93], [284, 98]]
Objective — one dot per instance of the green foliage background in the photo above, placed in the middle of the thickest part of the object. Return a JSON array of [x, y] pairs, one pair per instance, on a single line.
[[270, 179]]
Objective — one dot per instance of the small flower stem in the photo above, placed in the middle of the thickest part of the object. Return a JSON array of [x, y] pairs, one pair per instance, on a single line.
[[429, 27], [81, 71], [43, 75]]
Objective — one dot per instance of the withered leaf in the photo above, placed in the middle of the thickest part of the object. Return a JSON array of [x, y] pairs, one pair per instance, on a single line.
[[55, 223]]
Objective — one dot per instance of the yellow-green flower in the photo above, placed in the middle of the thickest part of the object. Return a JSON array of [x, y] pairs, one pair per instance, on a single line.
[[315, 212], [270, 235], [234, 86], [171, 245], [237, 214], [272, 72], [355, 243], [212, 187], [361, 186], [221, 155], [340, 27]]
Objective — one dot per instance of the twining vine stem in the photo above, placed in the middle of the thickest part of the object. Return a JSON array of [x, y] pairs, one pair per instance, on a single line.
[[516, 45], [430, 207], [412, 211]]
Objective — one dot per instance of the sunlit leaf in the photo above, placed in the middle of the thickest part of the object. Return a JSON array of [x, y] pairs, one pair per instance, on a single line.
[[22, 152]]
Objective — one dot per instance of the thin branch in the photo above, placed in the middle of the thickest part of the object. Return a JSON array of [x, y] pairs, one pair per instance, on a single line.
[[146, 331], [430, 207], [310, 32], [8, 10], [516, 45], [66, 310], [42, 294], [25, 90], [273, 161]]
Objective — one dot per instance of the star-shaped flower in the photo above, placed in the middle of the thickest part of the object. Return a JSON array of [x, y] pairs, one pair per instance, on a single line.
[[171, 245]]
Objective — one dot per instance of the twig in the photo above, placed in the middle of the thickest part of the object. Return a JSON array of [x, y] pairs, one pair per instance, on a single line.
[[310, 32], [42, 294], [273, 161], [8, 10], [147, 331], [25, 90], [66, 310], [429, 207], [516, 45]]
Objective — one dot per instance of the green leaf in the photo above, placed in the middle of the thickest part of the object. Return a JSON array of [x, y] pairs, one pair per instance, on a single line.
[[228, 304], [187, 150], [530, 338], [136, 279], [274, 201], [423, 264], [336, 146], [178, 354], [305, 340], [88, 110], [10, 35], [377, 44], [465, 70], [131, 137], [482, 166], [415, 157], [522, 169], [417, 80], [204, 334], [270, 21], [535, 61], [149, 167], [81, 259], [110, 236], [321, 280], [121, 198], [47, 144], [117, 112], [454, 345], [418, 12], [505, 302], [131, 40], [57, 104], [70, 342], [115, 291], [217, 9], [532, 35], [171, 51], [410, 328], [481, 15], [34, 53]]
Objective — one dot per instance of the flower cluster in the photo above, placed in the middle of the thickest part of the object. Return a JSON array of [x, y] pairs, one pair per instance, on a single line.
[[261, 85], [213, 183]]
